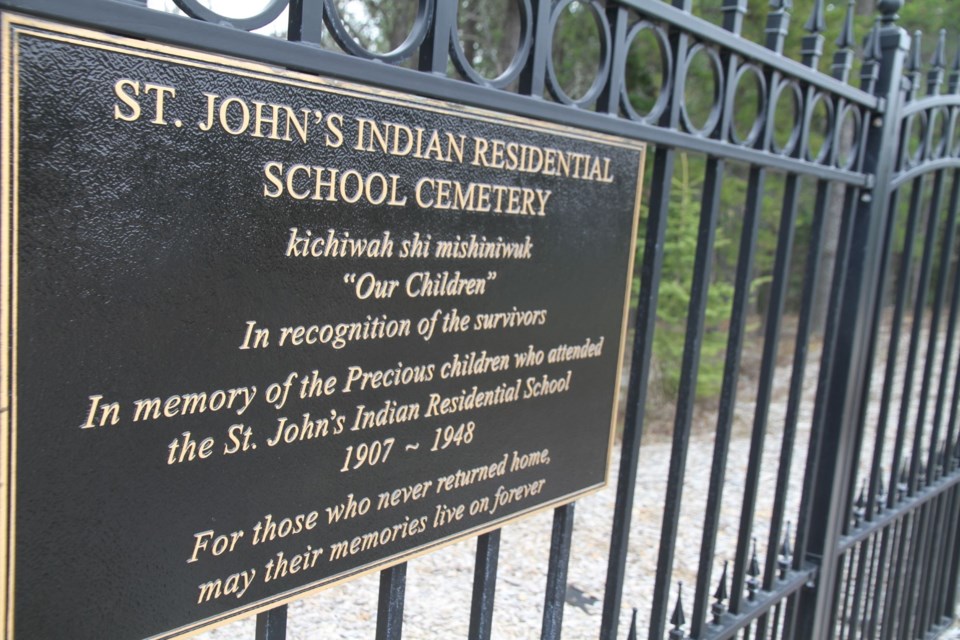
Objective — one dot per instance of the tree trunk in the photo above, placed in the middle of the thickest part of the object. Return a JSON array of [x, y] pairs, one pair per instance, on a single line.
[[829, 239]]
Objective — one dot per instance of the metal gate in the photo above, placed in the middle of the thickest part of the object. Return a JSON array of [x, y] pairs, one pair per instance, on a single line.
[[874, 549]]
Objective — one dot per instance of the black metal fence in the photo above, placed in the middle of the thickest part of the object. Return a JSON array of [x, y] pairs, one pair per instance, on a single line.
[[865, 180]]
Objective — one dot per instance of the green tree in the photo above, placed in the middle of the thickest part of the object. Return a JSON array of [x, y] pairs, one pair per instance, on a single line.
[[679, 249]]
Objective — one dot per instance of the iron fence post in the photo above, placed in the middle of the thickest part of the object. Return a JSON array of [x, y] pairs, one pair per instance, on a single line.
[[272, 624], [833, 447]]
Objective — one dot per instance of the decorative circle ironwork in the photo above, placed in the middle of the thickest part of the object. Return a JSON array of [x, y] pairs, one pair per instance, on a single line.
[[421, 25], [791, 89], [753, 133], [955, 133], [914, 130], [822, 153], [937, 134], [463, 66], [666, 65], [603, 65], [713, 117], [268, 14], [850, 119]]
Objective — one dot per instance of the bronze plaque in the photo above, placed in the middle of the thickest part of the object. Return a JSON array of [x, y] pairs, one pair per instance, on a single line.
[[268, 331]]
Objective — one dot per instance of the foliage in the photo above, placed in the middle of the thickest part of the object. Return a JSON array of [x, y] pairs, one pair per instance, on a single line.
[[576, 50], [489, 32], [679, 250]]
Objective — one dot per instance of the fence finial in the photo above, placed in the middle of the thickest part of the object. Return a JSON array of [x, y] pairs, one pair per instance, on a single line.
[[817, 23], [678, 619], [786, 554], [870, 71], [860, 507], [888, 10], [786, 549], [881, 496], [812, 45], [955, 73], [914, 66], [904, 480], [753, 570], [871, 44], [633, 626], [937, 64], [913, 63], [939, 56], [718, 608], [846, 39], [843, 56]]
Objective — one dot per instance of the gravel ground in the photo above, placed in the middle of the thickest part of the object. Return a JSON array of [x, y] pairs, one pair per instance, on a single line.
[[439, 585]]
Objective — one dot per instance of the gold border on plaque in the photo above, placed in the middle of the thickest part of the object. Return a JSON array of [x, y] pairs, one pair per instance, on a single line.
[[13, 25]]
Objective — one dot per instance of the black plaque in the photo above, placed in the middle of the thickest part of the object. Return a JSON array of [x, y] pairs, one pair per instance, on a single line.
[[269, 331]]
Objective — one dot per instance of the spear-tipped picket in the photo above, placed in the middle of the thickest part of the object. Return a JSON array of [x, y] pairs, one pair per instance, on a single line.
[[939, 60], [941, 464], [678, 619], [843, 57], [785, 557], [937, 65], [720, 596], [914, 57], [812, 45], [778, 23], [881, 497], [870, 71], [847, 37], [633, 626], [816, 23], [860, 507], [954, 86], [876, 44], [914, 66], [904, 481], [753, 570]]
